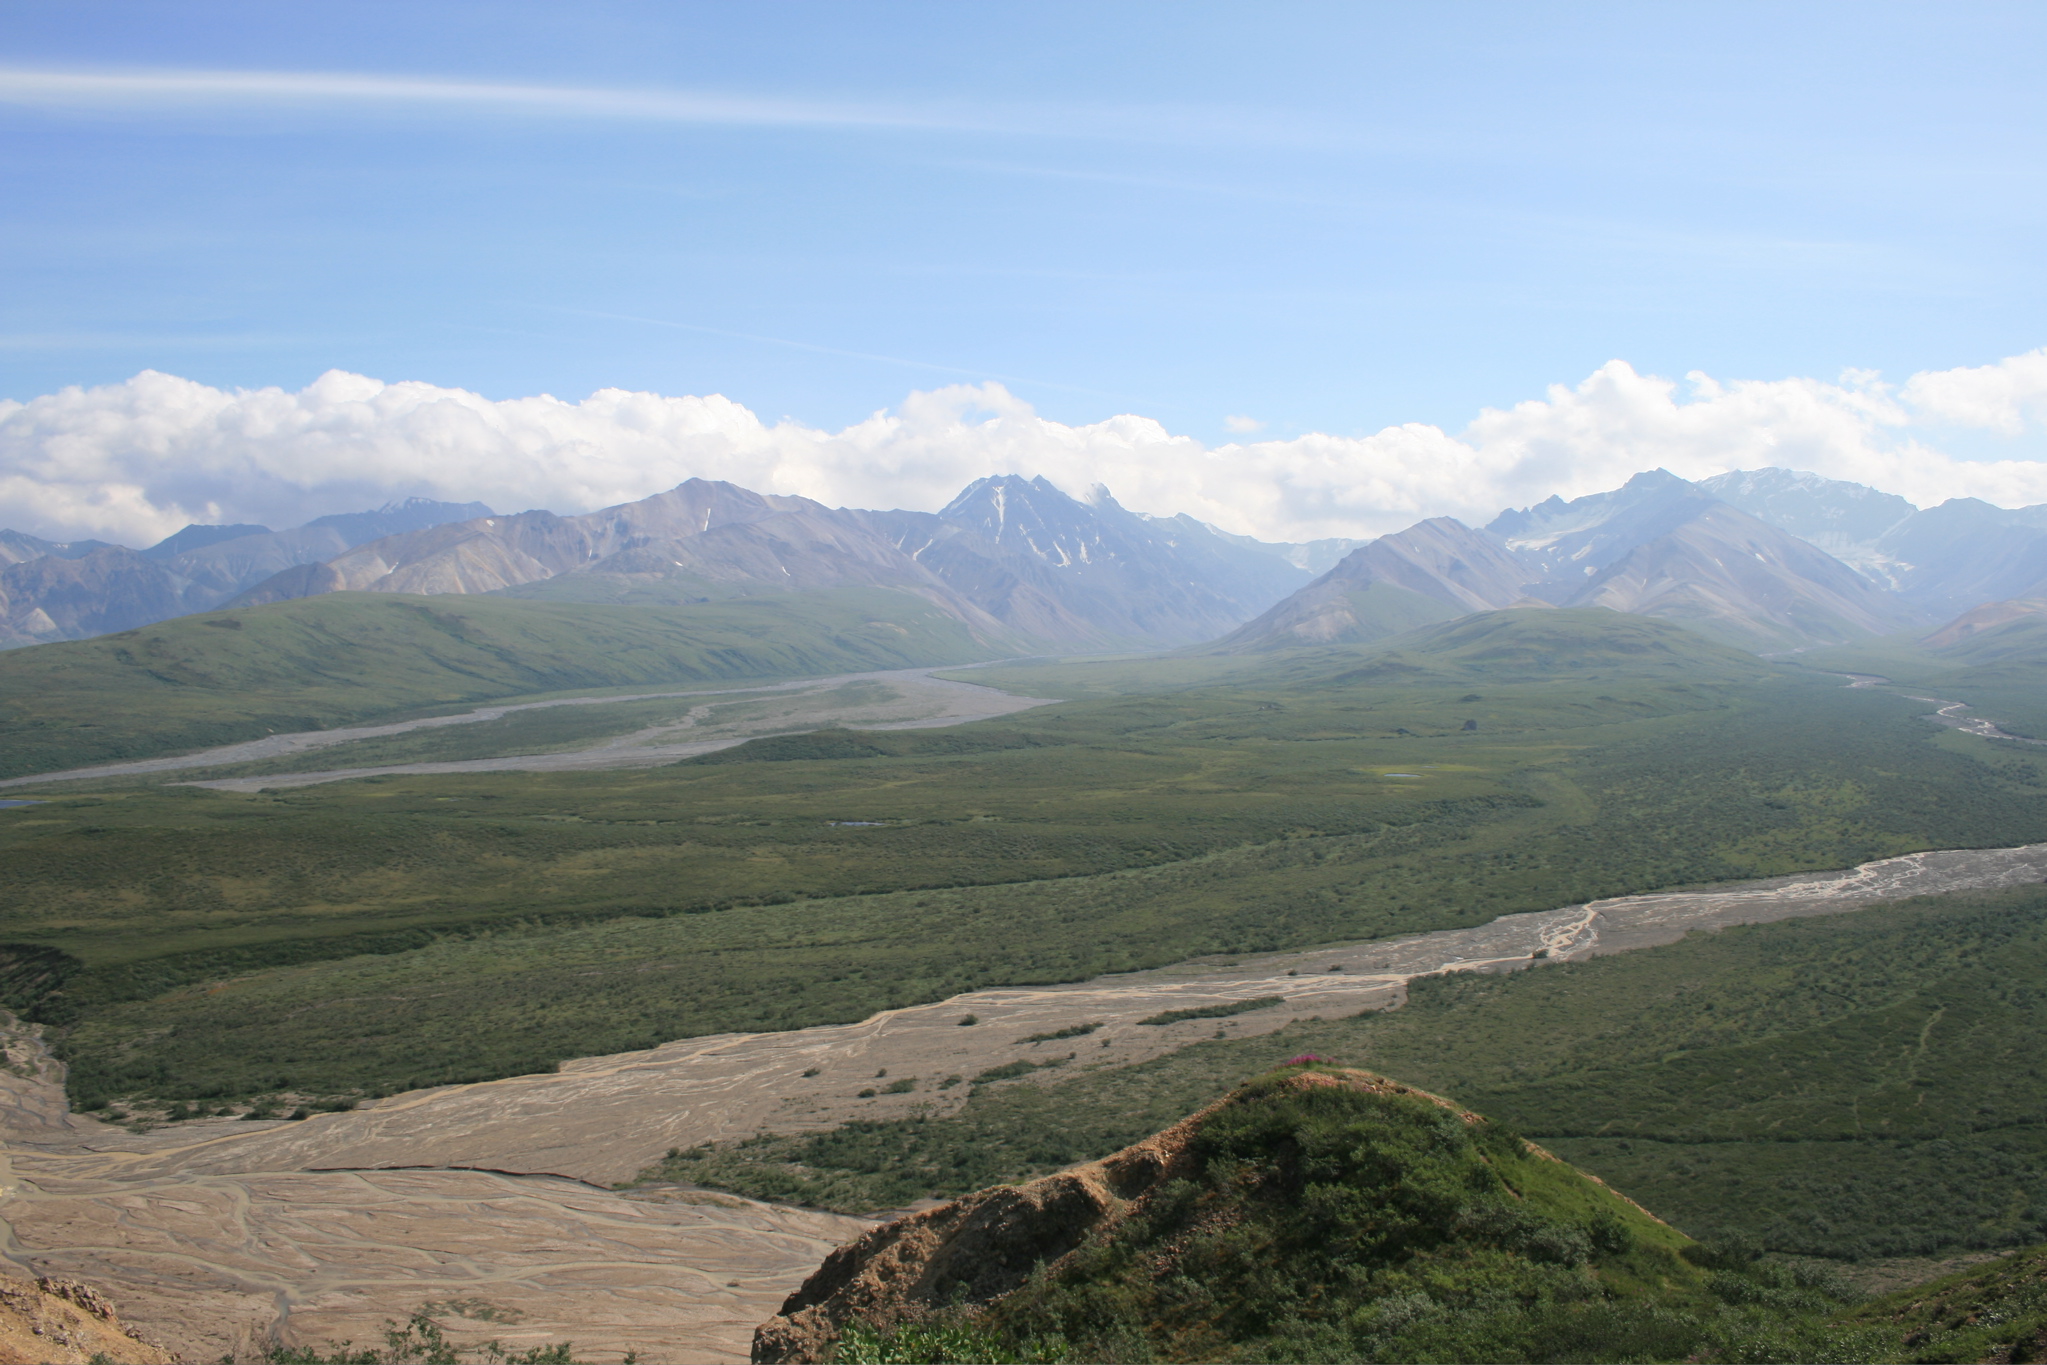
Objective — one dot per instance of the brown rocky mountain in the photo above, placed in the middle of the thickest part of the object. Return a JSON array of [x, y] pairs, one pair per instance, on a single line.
[[1433, 571], [1957, 556], [1657, 546], [1011, 557], [53, 591], [1988, 617], [1020, 560], [1726, 573], [56, 598]]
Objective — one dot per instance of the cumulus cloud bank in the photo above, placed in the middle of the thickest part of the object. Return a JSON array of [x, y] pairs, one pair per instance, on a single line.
[[134, 461]]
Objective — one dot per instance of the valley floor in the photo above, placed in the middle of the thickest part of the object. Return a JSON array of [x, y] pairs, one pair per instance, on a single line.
[[493, 1204], [894, 699]]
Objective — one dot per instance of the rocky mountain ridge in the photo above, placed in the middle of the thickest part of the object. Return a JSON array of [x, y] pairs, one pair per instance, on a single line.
[[51, 591], [1013, 558], [1770, 559], [1656, 546]]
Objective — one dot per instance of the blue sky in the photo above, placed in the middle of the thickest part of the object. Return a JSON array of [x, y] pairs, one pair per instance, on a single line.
[[1323, 217]]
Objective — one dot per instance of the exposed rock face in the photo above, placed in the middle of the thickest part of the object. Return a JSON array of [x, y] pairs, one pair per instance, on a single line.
[[1966, 552], [1563, 544], [62, 1322], [972, 1250]]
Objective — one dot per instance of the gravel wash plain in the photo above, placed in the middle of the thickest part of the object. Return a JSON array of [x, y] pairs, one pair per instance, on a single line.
[[896, 699], [490, 1205]]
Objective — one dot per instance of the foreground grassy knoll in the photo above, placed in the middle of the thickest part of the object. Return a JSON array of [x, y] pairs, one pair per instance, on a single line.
[[376, 935], [1866, 1084], [1315, 1214], [318, 662]]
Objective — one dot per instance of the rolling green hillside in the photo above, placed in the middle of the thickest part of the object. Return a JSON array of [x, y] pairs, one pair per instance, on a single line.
[[319, 662], [1320, 1213], [1527, 644]]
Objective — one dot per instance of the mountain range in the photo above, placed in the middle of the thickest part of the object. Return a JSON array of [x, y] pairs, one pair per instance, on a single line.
[[51, 591], [1766, 559]]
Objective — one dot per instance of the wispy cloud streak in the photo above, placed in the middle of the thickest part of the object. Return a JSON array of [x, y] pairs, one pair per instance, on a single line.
[[118, 90], [127, 89]]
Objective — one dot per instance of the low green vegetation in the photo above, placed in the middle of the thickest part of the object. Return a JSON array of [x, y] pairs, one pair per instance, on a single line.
[[1993, 1311], [367, 936], [320, 662], [1996, 671], [1071, 1031], [420, 1341], [1213, 1011]]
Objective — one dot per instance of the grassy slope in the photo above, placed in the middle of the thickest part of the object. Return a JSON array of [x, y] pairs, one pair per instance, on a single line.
[[1090, 837], [1982, 1313], [1321, 1215], [323, 661], [1318, 1219], [1860, 1084]]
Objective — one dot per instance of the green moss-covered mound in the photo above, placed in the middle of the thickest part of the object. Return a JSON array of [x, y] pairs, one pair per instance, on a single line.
[[1317, 1213]]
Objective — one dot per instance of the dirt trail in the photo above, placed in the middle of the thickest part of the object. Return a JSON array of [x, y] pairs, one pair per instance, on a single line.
[[920, 701], [488, 1199]]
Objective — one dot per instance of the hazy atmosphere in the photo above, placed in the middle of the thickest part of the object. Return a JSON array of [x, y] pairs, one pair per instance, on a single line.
[[874, 683]]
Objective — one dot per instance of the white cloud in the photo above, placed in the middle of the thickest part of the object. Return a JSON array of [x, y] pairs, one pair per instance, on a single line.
[[1242, 426], [134, 461], [1998, 397]]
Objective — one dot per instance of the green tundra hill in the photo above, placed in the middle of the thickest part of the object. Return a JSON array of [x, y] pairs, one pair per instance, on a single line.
[[1319, 1213], [319, 662], [1527, 644]]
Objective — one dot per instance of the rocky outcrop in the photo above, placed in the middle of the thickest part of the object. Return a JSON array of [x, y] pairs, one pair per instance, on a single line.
[[62, 1322], [972, 1250]]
